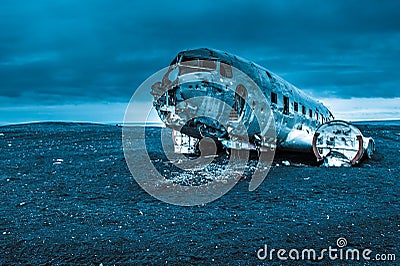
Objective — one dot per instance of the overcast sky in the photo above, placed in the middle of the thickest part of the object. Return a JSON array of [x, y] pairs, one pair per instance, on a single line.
[[79, 60]]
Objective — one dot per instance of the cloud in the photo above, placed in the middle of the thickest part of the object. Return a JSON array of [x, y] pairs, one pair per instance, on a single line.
[[363, 109], [65, 52]]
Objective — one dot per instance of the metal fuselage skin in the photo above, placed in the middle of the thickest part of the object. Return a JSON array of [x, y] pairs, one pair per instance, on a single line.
[[216, 74]]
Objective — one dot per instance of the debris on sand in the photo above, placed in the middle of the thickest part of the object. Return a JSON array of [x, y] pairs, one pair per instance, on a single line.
[[1, 134], [336, 162], [299, 164], [286, 163], [58, 161]]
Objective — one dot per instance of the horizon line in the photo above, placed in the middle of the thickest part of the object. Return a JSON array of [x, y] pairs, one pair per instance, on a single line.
[[153, 123]]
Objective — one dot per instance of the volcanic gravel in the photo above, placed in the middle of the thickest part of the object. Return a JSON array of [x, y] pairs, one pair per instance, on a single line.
[[67, 197]]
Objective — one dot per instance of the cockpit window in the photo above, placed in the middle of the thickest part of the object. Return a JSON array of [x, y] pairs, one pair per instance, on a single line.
[[174, 61], [192, 62], [225, 70], [193, 65], [208, 64], [187, 58]]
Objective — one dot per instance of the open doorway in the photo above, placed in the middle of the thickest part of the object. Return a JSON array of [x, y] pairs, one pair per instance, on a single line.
[[240, 100]]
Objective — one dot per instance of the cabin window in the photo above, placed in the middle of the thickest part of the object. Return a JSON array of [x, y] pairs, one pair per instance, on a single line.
[[296, 106], [285, 105], [303, 110], [310, 113], [225, 70], [274, 98], [174, 61]]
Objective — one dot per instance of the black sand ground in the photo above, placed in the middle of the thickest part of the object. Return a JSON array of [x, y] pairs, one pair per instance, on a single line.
[[86, 208]]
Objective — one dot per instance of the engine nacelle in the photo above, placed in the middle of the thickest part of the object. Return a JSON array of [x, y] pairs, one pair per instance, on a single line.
[[339, 143]]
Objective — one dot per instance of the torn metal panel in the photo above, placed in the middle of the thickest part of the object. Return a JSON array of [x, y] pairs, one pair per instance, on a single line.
[[338, 143], [299, 138], [183, 143]]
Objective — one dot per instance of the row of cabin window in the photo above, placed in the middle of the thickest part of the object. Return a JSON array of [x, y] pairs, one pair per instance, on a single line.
[[274, 99]]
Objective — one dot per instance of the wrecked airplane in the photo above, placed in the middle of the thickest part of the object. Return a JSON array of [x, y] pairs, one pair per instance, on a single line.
[[301, 123]]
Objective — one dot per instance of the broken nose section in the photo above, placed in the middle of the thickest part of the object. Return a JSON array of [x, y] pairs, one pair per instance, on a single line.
[[338, 143]]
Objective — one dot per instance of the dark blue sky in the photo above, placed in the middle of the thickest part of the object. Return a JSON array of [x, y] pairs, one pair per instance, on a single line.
[[63, 56]]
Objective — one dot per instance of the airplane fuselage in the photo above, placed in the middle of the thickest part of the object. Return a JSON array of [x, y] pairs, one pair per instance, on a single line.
[[221, 76]]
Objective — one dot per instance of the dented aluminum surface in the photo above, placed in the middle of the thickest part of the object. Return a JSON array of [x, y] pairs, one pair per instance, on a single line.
[[204, 81]]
